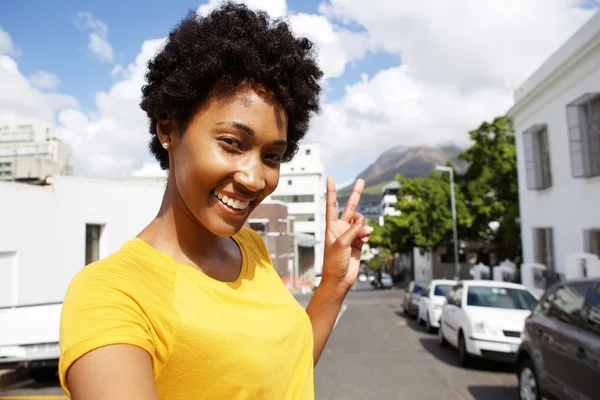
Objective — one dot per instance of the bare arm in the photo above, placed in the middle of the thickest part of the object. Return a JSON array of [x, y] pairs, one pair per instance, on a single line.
[[323, 310], [119, 372], [344, 238]]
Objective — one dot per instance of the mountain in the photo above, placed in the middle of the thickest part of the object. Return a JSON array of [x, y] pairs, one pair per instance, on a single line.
[[411, 162]]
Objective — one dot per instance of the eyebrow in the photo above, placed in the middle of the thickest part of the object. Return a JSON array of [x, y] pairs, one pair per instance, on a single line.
[[249, 130]]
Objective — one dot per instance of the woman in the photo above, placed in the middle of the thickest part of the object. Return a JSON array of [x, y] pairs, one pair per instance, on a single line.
[[191, 308]]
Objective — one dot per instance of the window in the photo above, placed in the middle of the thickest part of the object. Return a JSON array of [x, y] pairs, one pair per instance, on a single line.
[[592, 241], [543, 245], [289, 182], [92, 242], [537, 157], [441, 290], [500, 297], [304, 198], [260, 227], [583, 118], [304, 217], [593, 315], [567, 302], [307, 152]]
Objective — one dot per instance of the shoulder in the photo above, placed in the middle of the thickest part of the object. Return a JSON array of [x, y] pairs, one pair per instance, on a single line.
[[127, 272]]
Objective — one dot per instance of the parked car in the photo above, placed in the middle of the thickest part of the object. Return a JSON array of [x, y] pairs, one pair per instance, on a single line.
[[386, 281], [410, 301], [431, 301], [485, 319], [560, 353], [29, 338]]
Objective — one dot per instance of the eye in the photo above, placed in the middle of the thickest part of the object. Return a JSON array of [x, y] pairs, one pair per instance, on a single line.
[[274, 158], [231, 143]]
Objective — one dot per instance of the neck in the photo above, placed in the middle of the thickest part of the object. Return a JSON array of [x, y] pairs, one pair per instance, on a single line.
[[176, 232]]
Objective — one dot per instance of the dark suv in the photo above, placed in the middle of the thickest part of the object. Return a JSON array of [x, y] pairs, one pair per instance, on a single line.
[[559, 357]]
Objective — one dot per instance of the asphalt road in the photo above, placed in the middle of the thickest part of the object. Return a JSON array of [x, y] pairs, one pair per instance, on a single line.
[[374, 352]]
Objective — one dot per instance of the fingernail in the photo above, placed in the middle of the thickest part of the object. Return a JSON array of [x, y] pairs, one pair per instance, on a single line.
[[365, 239], [369, 229]]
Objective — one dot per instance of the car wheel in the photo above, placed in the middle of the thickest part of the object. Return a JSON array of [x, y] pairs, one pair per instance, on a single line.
[[441, 339], [428, 327], [528, 382], [463, 355]]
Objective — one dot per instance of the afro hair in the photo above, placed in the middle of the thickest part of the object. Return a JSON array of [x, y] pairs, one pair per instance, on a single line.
[[231, 46]]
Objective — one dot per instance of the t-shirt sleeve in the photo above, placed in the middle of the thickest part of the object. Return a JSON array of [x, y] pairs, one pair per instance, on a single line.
[[98, 310]]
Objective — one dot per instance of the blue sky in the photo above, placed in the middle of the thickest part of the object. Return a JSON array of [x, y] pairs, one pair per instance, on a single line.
[[399, 73]]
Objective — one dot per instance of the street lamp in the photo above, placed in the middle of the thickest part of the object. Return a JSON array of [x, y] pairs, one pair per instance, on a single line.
[[453, 205]]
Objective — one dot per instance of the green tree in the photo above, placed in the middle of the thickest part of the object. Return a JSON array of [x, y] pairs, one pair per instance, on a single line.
[[491, 188], [426, 217]]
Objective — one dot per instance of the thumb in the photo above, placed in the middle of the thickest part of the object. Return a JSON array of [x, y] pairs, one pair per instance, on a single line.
[[355, 231]]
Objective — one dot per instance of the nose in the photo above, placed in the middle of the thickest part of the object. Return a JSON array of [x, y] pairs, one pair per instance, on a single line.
[[251, 174]]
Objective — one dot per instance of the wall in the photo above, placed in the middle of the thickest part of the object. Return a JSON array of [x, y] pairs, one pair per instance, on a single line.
[[45, 225], [570, 205]]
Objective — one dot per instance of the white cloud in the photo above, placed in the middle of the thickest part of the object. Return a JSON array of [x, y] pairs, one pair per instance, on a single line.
[[114, 140], [18, 95], [275, 8], [6, 45], [336, 46], [457, 61], [98, 39], [44, 80], [461, 62], [150, 169]]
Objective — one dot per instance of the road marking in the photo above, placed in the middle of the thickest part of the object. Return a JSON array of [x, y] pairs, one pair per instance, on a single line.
[[344, 307], [401, 323]]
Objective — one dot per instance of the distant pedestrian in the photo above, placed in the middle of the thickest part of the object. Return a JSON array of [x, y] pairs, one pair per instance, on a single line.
[[192, 308]]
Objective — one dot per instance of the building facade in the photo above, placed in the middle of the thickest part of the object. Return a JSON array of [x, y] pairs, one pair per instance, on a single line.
[[30, 151], [48, 232], [302, 188], [271, 221], [557, 126]]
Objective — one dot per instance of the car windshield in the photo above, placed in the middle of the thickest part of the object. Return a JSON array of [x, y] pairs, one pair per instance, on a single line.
[[441, 290], [386, 276], [500, 297], [418, 288]]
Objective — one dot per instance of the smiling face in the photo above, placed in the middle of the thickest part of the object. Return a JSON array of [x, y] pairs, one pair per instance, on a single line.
[[227, 160]]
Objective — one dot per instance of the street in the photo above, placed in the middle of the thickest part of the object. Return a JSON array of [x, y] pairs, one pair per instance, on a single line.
[[374, 352]]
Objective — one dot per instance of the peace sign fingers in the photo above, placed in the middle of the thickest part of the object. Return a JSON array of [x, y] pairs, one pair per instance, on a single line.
[[353, 200], [331, 210]]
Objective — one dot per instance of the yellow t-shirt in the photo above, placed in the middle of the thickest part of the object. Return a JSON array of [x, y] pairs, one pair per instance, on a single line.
[[248, 339]]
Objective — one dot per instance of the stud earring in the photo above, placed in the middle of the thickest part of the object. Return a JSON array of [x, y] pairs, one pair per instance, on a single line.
[[166, 145]]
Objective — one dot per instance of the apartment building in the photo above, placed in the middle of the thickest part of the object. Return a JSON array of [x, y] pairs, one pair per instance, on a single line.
[[302, 188], [557, 127], [30, 150]]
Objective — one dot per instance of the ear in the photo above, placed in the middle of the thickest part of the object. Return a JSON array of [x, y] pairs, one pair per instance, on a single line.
[[165, 130]]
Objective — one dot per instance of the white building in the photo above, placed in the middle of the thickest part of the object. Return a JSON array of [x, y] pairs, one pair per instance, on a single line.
[[389, 198], [302, 187], [49, 232], [557, 127], [29, 150]]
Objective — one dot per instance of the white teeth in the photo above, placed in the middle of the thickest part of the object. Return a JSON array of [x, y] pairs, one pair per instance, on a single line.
[[231, 202]]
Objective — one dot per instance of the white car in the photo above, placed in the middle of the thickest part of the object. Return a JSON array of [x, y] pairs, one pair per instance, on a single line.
[[431, 301], [485, 319], [29, 338]]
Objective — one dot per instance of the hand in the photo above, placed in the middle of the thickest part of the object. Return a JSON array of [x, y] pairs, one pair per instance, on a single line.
[[344, 238]]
